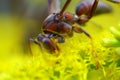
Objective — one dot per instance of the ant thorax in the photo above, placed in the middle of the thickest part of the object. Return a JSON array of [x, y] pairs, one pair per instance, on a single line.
[[70, 18]]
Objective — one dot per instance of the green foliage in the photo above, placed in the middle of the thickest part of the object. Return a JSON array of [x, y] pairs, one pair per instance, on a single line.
[[115, 42]]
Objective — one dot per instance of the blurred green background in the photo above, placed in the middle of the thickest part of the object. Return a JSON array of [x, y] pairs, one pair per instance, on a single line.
[[21, 19]]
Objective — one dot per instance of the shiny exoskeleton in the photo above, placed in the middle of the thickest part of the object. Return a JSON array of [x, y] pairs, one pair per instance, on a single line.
[[58, 25]]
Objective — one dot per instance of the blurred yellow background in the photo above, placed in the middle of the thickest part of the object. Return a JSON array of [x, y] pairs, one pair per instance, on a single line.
[[19, 23]]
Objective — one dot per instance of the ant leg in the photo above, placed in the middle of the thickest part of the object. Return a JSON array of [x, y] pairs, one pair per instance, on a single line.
[[65, 6], [80, 30], [89, 13], [93, 9], [60, 38]]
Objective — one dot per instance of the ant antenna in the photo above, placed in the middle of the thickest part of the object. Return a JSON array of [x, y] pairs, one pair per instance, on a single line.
[[65, 6]]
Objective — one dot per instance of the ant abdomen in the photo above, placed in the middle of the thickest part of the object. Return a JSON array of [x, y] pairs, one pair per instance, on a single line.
[[84, 7], [103, 7]]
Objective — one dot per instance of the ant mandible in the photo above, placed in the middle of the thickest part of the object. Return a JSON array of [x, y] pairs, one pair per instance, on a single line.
[[57, 25]]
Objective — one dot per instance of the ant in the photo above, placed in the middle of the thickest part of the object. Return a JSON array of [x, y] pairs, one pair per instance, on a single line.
[[57, 25], [60, 24]]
